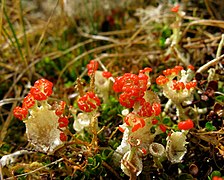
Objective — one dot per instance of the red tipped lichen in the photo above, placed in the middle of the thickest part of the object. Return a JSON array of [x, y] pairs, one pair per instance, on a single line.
[[121, 129], [92, 67], [185, 125], [177, 85], [20, 112], [154, 121], [134, 121], [42, 89], [63, 136], [175, 9], [161, 80], [88, 102], [63, 122], [132, 88], [191, 67], [162, 127], [190, 85], [156, 108], [60, 109], [146, 109], [28, 101], [106, 74]]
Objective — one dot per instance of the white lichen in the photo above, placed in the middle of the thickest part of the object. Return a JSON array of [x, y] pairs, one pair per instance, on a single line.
[[128, 164], [42, 129], [175, 147], [157, 149], [102, 85]]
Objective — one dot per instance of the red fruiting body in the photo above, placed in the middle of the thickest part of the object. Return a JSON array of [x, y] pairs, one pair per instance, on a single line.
[[106, 74], [154, 121], [118, 84], [156, 108], [161, 80], [185, 125], [167, 72], [217, 178], [60, 109], [190, 85], [121, 129], [143, 80], [191, 67], [175, 8], [88, 102], [127, 100], [20, 112], [42, 89], [134, 121], [28, 101], [162, 128], [146, 109], [177, 85], [147, 69], [178, 68], [132, 87], [92, 67], [173, 71], [63, 122], [63, 136], [144, 151]]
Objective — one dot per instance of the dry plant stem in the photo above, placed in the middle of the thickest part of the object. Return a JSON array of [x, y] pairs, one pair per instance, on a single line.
[[104, 68], [25, 174], [79, 86], [94, 143], [112, 134], [209, 9], [95, 50], [219, 50], [92, 82], [111, 170], [9, 101], [98, 37], [181, 57], [1, 17], [210, 63], [111, 33], [1, 174], [8, 120], [215, 23], [51, 56], [45, 29]]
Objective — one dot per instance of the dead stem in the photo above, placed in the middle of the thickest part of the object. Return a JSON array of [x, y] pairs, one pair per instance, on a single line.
[[45, 29], [111, 170], [210, 63], [38, 169]]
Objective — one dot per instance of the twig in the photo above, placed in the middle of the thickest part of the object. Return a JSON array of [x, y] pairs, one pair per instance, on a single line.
[[95, 50], [210, 63], [111, 170], [9, 100], [1, 175], [25, 174], [219, 50], [46, 27]]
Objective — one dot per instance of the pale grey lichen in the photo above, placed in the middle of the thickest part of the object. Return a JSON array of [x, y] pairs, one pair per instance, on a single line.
[[102, 85], [135, 161], [42, 128], [157, 149], [175, 147]]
